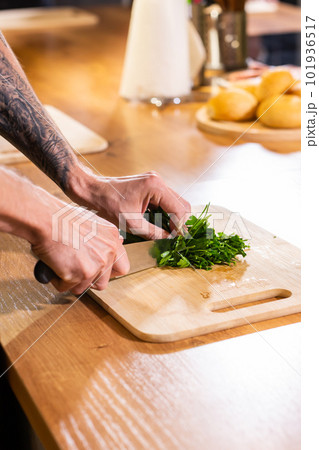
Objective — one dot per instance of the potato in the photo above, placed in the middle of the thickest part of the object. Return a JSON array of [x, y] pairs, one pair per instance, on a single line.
[[274, 82], [295, 89], [283, 112], [249, 85], [232, 104]]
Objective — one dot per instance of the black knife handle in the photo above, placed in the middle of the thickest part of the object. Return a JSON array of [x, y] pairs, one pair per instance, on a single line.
[[43, 273]]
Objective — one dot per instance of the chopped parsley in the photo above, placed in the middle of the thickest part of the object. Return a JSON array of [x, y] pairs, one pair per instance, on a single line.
[[200, 247]]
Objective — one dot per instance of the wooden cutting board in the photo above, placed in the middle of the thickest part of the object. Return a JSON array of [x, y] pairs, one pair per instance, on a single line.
[[168, 304], [82, 139], [248, 131]]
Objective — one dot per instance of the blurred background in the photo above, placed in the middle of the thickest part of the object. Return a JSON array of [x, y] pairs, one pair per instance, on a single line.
[[9, 4], [269, 49]]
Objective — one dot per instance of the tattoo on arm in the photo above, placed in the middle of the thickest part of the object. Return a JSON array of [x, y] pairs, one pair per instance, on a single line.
[[25, 123]]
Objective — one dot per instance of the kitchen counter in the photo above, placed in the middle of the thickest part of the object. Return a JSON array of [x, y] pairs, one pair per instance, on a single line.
[[81, 378]]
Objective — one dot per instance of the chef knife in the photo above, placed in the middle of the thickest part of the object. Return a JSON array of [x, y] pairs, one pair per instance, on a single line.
[[138, 254]]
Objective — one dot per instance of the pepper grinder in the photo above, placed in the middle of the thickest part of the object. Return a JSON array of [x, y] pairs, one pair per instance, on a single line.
[[232, 34]]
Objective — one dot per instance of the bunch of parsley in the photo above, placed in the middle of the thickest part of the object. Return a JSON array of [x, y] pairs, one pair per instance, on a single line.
[[200, 247]]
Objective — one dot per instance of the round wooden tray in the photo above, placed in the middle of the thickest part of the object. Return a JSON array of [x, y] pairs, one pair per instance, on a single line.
[[249, 131]]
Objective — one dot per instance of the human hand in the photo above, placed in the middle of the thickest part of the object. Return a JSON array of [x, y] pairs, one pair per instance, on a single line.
[[82, 249], [124, 200]]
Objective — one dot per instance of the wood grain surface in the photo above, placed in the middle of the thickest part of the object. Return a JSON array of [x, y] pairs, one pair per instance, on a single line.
[[83, 380], [40, 19]]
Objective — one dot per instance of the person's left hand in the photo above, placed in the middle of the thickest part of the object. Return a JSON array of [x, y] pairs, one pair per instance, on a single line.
[[123, 200]]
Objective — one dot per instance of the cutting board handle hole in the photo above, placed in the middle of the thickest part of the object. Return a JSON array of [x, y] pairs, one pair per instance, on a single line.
[[245, 301]]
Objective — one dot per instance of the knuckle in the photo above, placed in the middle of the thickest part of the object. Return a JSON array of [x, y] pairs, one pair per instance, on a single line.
[[65, 276], [111, 249], [112, 232], [100, 285], [153, 173], [86, 271], [69, 277], [87, 274], [153, 178]]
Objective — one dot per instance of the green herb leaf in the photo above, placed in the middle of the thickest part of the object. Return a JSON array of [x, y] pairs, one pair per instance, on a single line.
[[200, 247]]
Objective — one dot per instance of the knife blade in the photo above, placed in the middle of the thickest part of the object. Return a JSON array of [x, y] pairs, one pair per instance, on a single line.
[[138, 255]]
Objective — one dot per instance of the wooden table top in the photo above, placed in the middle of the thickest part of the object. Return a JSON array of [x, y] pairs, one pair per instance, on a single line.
[[285, 18], [82, 379]]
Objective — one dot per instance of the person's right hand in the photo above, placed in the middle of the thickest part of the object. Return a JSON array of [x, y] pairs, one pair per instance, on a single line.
[[80, 262]]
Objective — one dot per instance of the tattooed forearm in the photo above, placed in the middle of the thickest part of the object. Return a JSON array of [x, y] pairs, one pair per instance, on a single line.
[[25, 123]]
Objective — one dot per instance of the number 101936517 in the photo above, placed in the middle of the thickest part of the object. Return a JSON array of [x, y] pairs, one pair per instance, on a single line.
[[310, 66]]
